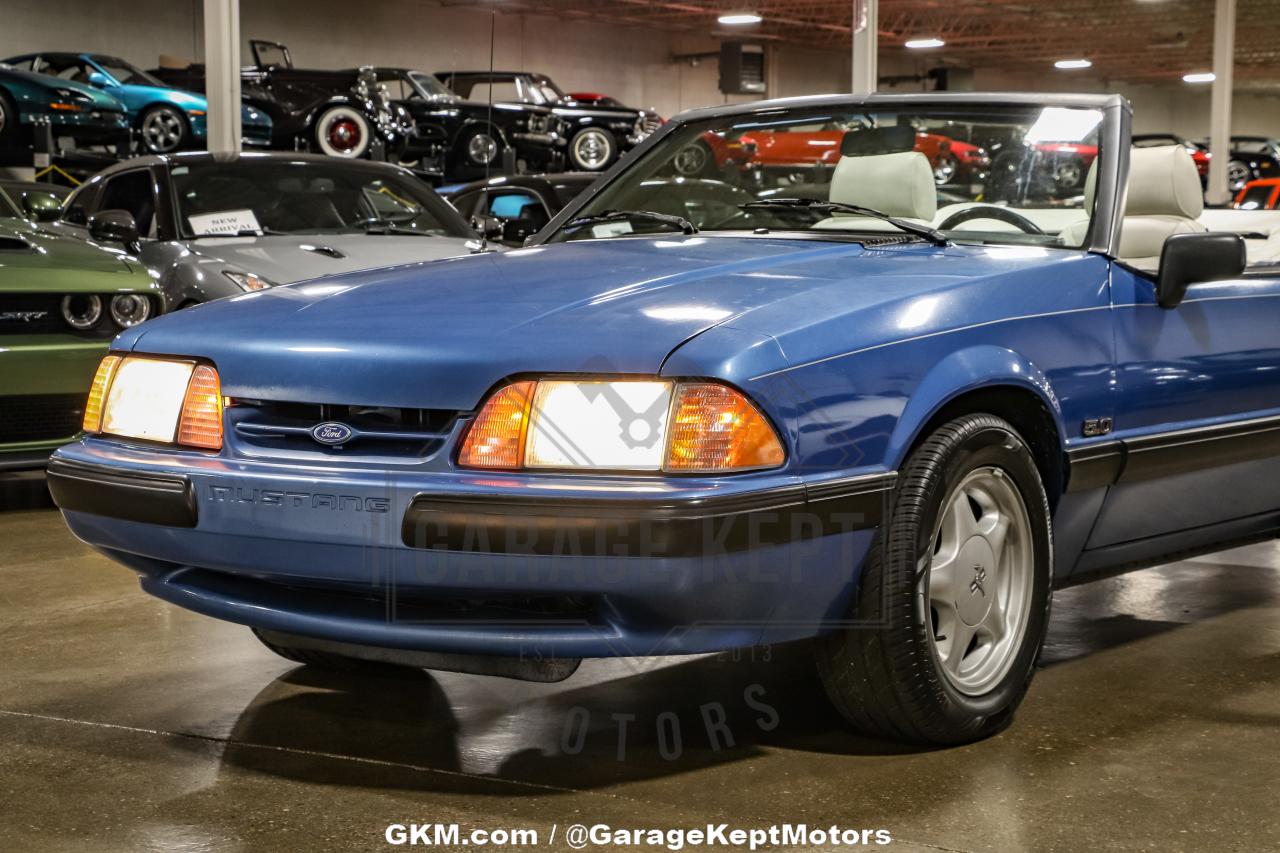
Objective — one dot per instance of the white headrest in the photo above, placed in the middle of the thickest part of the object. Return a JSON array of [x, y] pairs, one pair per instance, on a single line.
[[1163, 182], [897, 184]]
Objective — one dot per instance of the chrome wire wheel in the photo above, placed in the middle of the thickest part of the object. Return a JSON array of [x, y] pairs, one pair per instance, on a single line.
[[1068, 174], [592, 149], [163, 130], [977, 580]]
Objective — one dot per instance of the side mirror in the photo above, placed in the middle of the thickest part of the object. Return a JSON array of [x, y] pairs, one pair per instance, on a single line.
[[42, 207], [97, 78], [490, 226], [114, 226], [1188, 259]]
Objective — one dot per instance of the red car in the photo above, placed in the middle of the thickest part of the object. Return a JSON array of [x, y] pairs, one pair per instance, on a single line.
[[795, 153]]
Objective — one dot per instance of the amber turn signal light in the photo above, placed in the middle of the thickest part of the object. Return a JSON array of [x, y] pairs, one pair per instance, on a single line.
[[497, 437], [201, 421], [716, 429], [98, 393]]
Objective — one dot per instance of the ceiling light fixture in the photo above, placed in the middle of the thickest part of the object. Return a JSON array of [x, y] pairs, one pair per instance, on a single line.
[[1067, 64], [739, 18], [1200, 77], [917, 44]]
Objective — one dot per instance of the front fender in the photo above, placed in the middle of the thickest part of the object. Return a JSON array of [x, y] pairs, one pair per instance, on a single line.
[[959, 373]]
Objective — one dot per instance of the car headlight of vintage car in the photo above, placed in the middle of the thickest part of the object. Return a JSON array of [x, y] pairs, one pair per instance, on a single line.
[[171, 401], [249, 281], [639, 425]]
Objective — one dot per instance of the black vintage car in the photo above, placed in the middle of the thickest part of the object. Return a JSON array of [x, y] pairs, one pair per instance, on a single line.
[[1252, 158], [341, 113], [597, 134], [464, 139]]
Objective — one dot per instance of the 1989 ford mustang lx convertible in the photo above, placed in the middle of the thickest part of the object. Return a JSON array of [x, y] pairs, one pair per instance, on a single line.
[[837, 413]]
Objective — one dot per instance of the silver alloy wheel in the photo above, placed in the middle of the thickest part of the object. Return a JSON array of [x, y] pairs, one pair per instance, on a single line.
[[977, 580], [1068, 174], [482, 148], [1237, 174], [162, 130], [944, 171], [592, 149], [691, 159]]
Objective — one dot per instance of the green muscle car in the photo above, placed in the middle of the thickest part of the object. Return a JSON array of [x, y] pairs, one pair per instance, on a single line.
[[62, 300]]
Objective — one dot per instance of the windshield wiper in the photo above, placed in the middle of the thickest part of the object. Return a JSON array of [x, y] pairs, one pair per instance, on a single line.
[[677, 222], [933, 236], [396, 229]]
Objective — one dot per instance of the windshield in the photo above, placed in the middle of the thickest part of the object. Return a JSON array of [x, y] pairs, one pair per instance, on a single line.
[[429, 85], [307, 197], [125, 73], [976, 173]]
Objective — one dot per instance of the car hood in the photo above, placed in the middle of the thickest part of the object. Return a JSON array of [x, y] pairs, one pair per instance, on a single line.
[[36, 261], [285, 259], [440, 335]]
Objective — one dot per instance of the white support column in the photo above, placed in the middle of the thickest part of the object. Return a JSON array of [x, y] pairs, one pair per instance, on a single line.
[[1224, 48], [866, 24], [222, 73]]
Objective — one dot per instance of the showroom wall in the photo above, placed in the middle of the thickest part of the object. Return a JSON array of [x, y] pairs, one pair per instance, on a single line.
[[632, 64]]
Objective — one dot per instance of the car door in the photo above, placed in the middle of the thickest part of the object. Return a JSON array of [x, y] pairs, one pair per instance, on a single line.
[[1199, 387]]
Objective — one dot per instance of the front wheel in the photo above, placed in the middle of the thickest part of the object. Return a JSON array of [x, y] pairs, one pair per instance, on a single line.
[[592, 149], [342, 131], [1238, 174], [163, 130], [953, 603]]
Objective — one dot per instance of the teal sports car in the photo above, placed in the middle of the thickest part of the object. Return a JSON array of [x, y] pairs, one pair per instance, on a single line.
[[75, 110], [166, 119]]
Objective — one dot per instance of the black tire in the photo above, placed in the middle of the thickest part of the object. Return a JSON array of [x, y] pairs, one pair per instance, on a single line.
[[886, 678], [163, 129], [331, 662], [342, 131], [694, 160], [8, 122]]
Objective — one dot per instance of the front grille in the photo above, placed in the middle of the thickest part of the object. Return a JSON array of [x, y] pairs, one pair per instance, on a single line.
[[649, 122], [41, 314], [40, 417], [377, 433]]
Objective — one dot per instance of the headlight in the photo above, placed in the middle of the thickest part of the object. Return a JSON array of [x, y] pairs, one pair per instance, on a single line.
[[248, 280], [82, 311], [620, 425], [153, 399], [129, 309]]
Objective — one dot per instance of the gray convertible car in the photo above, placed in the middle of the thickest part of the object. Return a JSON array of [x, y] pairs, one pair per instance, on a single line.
[[215, 225]]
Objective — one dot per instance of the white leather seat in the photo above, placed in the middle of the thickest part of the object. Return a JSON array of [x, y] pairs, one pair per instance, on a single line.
[[1164, 198], [897, 184]]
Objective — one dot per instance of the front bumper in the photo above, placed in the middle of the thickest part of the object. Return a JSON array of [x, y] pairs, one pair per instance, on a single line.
[[44, 366], [477, 563]]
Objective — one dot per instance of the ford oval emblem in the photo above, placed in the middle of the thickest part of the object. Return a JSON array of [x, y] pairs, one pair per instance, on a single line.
[[332, 433]]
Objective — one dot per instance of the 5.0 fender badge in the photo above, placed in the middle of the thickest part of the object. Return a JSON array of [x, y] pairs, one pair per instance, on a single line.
[[332, 434]]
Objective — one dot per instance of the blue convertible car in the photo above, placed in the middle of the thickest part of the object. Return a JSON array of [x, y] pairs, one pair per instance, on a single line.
[[166, 119], [840, 413]]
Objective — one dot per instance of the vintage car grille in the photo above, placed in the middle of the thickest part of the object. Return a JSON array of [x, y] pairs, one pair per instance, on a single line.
[[647, 124], [40, 417], [41, 314], [268, 428]]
